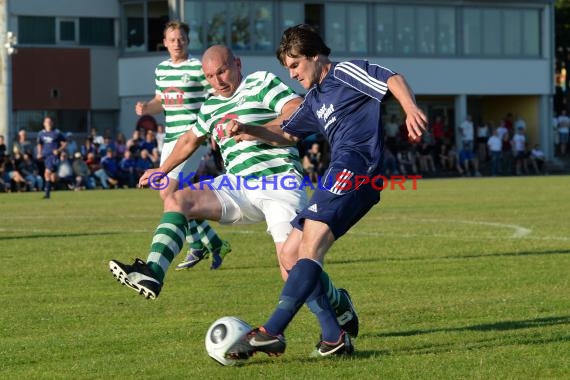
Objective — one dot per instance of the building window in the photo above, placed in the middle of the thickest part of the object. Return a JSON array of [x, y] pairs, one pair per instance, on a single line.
[[67, 31], [243, 25], [445, 31], [144, 23], [501, 32], [36, 30], [385, 30], [291, 14], [426, 30], [96, 31], [346, 27]]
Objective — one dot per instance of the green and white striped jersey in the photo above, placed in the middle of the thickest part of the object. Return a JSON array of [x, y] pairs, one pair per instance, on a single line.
[[258, 99], [183, 88]]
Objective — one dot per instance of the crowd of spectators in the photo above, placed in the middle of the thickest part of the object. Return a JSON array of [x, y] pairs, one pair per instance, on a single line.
[[99, 161], [485, 149]]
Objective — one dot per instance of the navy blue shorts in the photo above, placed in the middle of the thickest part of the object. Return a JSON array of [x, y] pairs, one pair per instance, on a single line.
[[341, 200]]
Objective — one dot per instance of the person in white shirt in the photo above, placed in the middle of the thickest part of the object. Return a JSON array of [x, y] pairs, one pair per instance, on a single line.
[[495, 145], [467, 133], [519, 147]]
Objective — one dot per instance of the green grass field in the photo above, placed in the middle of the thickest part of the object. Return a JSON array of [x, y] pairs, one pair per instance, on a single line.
[[460, 279]]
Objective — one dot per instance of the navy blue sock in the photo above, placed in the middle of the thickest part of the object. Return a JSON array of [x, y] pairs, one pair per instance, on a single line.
[[303, 278], [48, 188], [319, 304]]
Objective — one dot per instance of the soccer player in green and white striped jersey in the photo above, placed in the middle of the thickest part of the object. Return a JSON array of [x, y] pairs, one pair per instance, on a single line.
[[259, 98], [181, 88]]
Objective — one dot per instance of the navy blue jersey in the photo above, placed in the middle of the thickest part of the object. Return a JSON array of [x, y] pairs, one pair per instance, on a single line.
[[50, 140], [345, 107]]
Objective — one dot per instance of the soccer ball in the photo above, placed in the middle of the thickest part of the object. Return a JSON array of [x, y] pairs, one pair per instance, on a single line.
[[221, 335]]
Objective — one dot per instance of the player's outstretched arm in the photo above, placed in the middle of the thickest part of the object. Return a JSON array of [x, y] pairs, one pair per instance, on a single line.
[[152, 107], [271, 134], [185, 146], [416, 120]]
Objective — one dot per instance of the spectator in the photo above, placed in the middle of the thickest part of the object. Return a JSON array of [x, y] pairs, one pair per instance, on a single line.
[[446, 161], [555, 132], [110, 165], [519, 148], [467, 133], [65, 171], [495, 148], [71, 145], [3, 148], [22, 144], [390, 162], [392, 130], [425, 158], [134, 143], [150, 145], [95, 168], [507, 155], [563, 131], [537, 159], [88, 147], [160, 134], [483, 133], [29, 170], [13, 179], [128, 169], [120, 145], [467, 162], [438, 132], [407, 161], [520, 123], [96, 137], [144, 162], [83, 178], [313, 162]]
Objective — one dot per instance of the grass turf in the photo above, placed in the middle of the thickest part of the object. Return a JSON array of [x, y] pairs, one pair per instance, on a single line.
[[460, 279]]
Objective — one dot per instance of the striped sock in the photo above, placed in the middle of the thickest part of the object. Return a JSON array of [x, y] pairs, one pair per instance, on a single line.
[[167, 242], [193, 236], [208, 235], [337, 300]]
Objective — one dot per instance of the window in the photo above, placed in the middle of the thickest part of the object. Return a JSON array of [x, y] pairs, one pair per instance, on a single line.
[[492, 32], [346, 27], [216, 23], [291, 15], [498, 32], [96, 31], [405, 26], [193, 14], [426, 30], [445, 31], [144, 23], [36, 30], [67, 31], [385, 33]]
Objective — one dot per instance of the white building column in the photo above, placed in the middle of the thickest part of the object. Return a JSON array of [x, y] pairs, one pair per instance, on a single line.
[[460, 115], [5, 110]]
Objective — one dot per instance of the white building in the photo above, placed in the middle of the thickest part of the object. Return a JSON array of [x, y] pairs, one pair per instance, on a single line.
[[88, 62]]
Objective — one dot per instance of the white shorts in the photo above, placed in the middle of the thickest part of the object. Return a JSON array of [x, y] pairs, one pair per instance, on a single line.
[[242, 205], [188, 166]]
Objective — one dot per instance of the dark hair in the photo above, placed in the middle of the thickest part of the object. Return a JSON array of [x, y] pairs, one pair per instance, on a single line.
[[301, 41], [175, 24]]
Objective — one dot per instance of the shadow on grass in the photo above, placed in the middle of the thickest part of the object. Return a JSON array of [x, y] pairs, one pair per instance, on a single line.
[[59, 235], [454, 257], [498, 326]]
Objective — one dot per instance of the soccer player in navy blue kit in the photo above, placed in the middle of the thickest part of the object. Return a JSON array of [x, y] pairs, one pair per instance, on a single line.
[[342, 103], [50, 143]]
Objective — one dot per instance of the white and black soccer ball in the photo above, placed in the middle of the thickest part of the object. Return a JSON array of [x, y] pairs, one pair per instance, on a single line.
[[221, 335]]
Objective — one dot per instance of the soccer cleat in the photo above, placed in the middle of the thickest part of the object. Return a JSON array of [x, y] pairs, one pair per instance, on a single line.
[[219, 255], [193, 257], [348, 321], [257, 340], [137, 276], [342, 347]]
